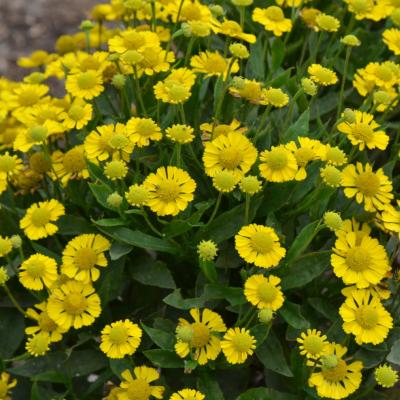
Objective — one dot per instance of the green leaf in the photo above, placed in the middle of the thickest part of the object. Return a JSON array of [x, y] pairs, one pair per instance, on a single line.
[[299, 128], [176, 300], [11, 331], [101, 193], [119, 250], [140, 239], [370, 359], [162, 339], [120, 365], [324, 307], [216, 291], [263, 393], [153, 273], [277, 197], [83, 362], [111, 281], [72, 225], [291, 313], [260, 332], [208, 385], [209, 270], [164, 358], [394, 354], [110, 222], [255, 67], [278, 53], [270, 353]]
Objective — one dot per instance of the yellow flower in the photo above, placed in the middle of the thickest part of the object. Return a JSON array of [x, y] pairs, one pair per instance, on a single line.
[[273, 19], [26, 95], [10, 166], [233, 30], [120, 338], [250, 90], [250, 185], [170, 190], [187, 394], [391, 37], [237, 345], [365, 317], [84, 85], [386, 376], [331, 176], [74, 304], [115, 169], [339, 378], [137, 386], [321, 75], [364, 132], [213, 64], [278, 164], [180, 133], [207, 250], [137, 195], [276, 97], [36, 59], [38, 344], [333, 221], [327, 23], [39, 219], [44, 323], [142, 130], [259, 245], [82, 255], [37, 272], [239, 50], [6, 385], [201, 337], [225, 181], [363, 9], [33, 135], [264, 292], [4, 277], [390, 218], [155, 60], [350, 40], [312, 344], [5, 246], [373, 189], [362, 262], [131, 39], [78, 115]]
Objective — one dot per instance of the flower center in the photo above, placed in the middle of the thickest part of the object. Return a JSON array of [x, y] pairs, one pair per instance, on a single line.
[[242, 342], [45, 323], [215, 64], [275, 14], [230, 158], [74, 161], [35, 269], [40, 217], [201, 335], [86, 80], [145, 127], [7, 163], [118, 335], [37, 133], [303, 156], [168, 191], [335, 155], [28, 98], [76, 113], [368, 183], [133, 40], [139, 389], [384, 73], [39, 162], [336, 374], [313, 344], [324, 75], [118, 141], [361, 6], [363, 132], [277, 159], [358, 259], [262, 242], [85, 258], [177, 91], [267, 292], [75, 303], [367, 317]]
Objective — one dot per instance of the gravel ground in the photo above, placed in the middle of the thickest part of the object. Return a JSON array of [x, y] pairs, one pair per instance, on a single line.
[[27, 25]]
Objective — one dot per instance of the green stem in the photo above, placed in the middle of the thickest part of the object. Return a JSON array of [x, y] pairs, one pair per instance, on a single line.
[[216, 208], [242, 16], [174, 29], [151, 226], [341, 95], [189, 49], [138, 93], [14, 300], [153, 15], [262, 122], [247, 209]]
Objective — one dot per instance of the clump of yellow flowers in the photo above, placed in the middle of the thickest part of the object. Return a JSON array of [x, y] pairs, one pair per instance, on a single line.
[[201, 201]]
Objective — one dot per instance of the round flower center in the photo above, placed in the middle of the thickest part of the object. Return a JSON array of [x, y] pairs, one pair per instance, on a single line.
[[275, 97], [367, 317], [215, 64], [275, 14], [75, 303], [363, 132], [335, 155], [360, 6], [85, 258], [368, 183], [201, 335], [118, 335], [139, 389], [7, 163], [37, 133], [87, 80], [36, 269], [40, 217], [118, 141], [230, 158], [76, 113], [324, 75], [45, 323], [177, 91], [386, 376], [168, 191], [303, 156], [358, 259], [262, 242], [3, 389], [39, 344], [336, 374], [277, 159], [191, 12], [28, 97], [40, 163], [384, 73], [267, 292], [313, 344], [242, 342], [74, 161], [145, 127], [133, 40]]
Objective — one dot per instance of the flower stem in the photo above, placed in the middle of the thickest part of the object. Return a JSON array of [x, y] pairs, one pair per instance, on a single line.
[[341, 94], [150, 225], [14, 300], [216, 208]]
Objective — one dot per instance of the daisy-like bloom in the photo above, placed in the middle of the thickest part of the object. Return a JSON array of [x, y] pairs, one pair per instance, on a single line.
[[362, 9], [131, 39], [26, 95], [364, 132], [6, 386], [212, 131], [78, 115], [31, 136], [225, 181], [273, 19], [361, 262], [176, 87], [187, 394], [180, 133], [390, 219], [10, 166], [232, 29], [82, 255], [115, 169], [69, 165], [278, 164], [232, 152], [207, 250], [155, 60], [237, 345], [84, 85], [213, 64], [39, 219], [259, 245], [332, 155], [353, 226], [250, 90], [250, 185], [321, 75], [73, 304], [312, 344], [309, 16], [327, 23], [108, 141], [137, 195], [373, 189], [200, 337], [365, 317], [142, 130], [391, 37], [276, 97], [386, 376], [379, 291], [120, 338], [38, 344], [336, 378], [44, 323], [264, 292], [170, 190], [37, 272], [333, 221], [5, 246], [137, 385], [305, 152]]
